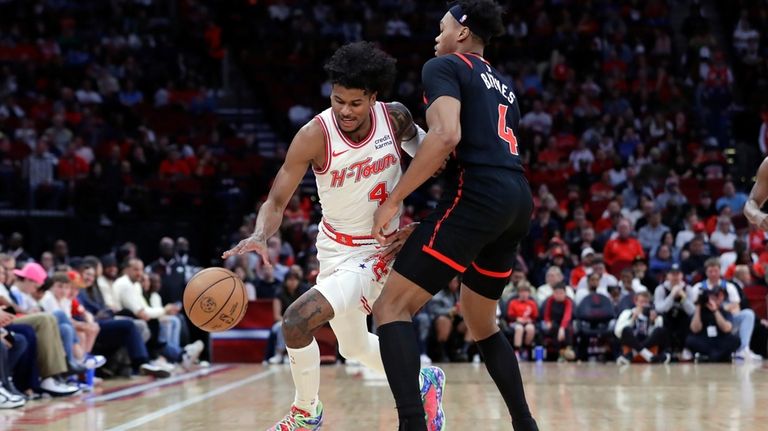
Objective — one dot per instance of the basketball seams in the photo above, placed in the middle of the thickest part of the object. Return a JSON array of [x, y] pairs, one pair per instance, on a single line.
[[229, 303], [216, 314], [245, 301], [192, 306]]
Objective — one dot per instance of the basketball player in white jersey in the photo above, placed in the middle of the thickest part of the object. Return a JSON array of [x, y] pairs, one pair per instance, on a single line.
[[355, 149]]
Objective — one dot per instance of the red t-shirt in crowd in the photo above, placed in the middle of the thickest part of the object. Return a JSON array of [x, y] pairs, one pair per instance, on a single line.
[[518, 308]]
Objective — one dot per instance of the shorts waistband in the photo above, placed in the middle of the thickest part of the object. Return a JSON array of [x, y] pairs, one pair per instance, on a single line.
[[346, 239]]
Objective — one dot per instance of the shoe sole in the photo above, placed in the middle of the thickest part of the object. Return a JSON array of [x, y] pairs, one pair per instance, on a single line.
[[437, 380], [317, 428], [60, 394], [162, 374]]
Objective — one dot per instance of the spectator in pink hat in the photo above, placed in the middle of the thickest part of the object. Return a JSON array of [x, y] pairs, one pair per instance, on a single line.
[[32, 271]]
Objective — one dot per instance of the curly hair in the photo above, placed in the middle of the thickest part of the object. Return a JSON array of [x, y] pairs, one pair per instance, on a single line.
[[485, 16], [362, 65]]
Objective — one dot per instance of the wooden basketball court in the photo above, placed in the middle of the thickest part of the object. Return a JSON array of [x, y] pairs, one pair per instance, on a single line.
[[563, 397]]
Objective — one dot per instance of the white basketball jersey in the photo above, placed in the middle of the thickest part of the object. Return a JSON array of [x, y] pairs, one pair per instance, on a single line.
[[357, 177]]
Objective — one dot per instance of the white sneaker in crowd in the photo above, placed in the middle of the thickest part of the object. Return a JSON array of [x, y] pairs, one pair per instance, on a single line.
[[192, 353], [9, 400], [747, 354], [154, 369], [56, 388], [94, 361]]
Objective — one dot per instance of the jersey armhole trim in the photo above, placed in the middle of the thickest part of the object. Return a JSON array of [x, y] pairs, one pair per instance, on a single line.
[[395, 139], [327, 138]]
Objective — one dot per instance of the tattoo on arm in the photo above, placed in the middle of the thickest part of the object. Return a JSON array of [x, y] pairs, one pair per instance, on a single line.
[[402, 121]]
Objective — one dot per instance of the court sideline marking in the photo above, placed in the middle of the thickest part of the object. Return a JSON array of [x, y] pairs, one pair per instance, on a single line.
[[186, 403], [158, 383]]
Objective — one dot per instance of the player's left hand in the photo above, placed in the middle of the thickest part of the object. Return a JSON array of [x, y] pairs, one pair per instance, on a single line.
[[396, 241], [381, 218]]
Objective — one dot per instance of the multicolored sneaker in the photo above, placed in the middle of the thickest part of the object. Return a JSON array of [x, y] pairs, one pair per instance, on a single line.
[[300, 420], [432, 385]]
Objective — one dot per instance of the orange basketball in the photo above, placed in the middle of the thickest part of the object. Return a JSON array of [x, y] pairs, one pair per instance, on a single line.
[[215, 299]]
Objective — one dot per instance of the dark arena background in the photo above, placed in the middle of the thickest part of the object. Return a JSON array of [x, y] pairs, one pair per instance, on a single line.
[[139, 139]]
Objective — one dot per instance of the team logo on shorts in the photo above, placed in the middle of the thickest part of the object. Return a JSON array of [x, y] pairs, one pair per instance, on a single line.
[[380, 269], [208, 304]]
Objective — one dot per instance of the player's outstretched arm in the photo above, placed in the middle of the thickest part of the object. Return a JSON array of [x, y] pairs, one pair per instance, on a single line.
[[307, 146], [443, 117], [757, 198]]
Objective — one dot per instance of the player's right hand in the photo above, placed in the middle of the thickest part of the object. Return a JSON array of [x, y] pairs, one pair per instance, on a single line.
[[247, 245]]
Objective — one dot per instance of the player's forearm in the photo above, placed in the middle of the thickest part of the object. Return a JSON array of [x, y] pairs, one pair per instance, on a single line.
[[434, 150], [269, 220]]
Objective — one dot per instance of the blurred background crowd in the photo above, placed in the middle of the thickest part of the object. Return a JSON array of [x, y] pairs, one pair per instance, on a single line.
[[125, 124]]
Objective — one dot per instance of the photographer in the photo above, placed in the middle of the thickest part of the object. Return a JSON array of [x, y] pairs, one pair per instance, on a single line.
[[672, 301], [639, 329], [711, 327], [743, 318]]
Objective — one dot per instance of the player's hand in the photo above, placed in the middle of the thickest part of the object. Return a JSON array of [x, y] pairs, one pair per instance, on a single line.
[[252, 243], [381, 218], [396, 241], [561, 335]]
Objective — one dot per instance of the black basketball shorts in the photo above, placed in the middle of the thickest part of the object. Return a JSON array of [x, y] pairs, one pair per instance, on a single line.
[[474, 231]]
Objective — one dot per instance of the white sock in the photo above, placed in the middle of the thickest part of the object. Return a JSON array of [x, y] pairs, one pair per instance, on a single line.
[[305, 369], [646, 354], [371, 357]]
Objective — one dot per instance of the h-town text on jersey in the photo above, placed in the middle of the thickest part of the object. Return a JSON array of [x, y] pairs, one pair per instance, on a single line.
[[363, 169]]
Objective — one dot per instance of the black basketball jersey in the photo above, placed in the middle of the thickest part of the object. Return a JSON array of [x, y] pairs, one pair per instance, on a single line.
[[490, 113]]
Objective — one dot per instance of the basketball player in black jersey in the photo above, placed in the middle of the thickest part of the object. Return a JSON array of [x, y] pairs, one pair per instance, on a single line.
[[473, 116]]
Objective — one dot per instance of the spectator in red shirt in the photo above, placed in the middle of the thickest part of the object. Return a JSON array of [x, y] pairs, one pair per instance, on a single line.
[[521, 315], [585, 268], [71, 166], [620, 251], [602, 190], [557, 312], [173, 167], [610, 217], [550, 154]]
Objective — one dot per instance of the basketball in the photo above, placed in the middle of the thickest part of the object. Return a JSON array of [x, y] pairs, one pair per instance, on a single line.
[[215, 299]]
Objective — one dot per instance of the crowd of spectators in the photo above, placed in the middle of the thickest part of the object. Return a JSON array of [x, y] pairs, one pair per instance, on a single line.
[[627, 119], [107, 109], [61, 316]]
